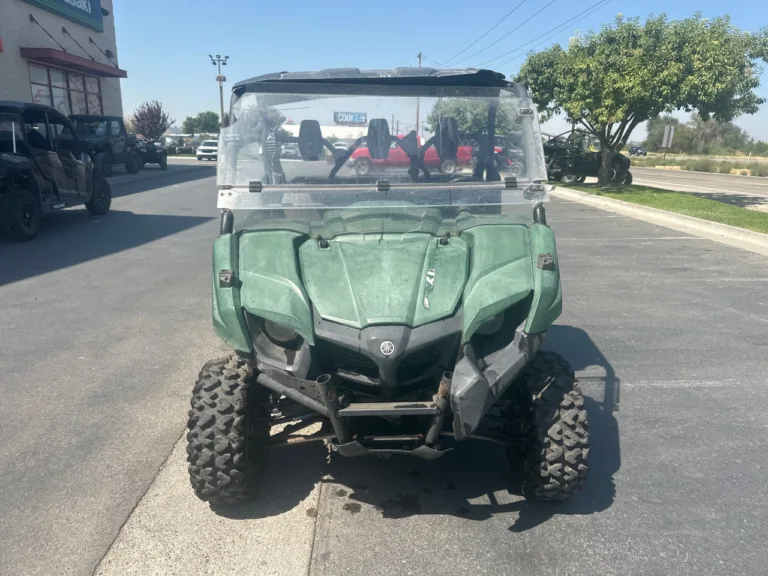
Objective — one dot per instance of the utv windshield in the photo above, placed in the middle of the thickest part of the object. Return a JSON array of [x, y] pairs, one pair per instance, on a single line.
[[400, 147], [90, 127]]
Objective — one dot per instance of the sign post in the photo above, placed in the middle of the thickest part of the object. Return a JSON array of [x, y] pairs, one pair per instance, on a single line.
[[666, 142]]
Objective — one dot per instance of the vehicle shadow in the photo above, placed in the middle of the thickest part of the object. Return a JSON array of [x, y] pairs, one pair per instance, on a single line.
[[151, 178], [74, 236], [740, 200], [474, 481]]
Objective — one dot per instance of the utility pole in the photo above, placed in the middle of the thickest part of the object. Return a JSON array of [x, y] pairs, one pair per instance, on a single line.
[[417, 103], [220, 78]]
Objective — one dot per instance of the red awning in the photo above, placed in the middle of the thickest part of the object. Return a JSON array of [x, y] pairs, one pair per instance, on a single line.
[[70, 61]]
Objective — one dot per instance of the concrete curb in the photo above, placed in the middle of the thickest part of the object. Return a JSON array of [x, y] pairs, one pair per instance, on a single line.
[[723, 233]]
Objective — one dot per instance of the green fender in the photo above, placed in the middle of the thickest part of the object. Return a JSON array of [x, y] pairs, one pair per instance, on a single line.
[[228, 317], [271, 283], [501, 272], [547, 302]]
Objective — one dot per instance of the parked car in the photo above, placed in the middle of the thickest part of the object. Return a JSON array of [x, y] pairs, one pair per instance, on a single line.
[[340, 145], [107, 141], [570, 158], [290, 150], [44, 167], [363, 163], [638, 151], [208, 150]]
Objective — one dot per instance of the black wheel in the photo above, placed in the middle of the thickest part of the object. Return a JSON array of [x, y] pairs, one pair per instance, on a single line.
[[556, 449], [101, 196], [229, 418], [581, 179], [200, 158], [569, 179], [363, 166], [103, 164], [619, 175], [22, 214], [164, 163], [132, 163], [448, 166], [515, 168]]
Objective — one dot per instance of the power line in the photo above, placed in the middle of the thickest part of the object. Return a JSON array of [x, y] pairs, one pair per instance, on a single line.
[[491, 29], [549, 34], [510, 32], [425, 57]]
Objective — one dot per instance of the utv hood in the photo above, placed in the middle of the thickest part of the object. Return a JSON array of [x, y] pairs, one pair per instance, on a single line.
[[365, 279]]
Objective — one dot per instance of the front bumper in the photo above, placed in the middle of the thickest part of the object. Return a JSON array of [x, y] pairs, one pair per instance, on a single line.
[[468, 394]]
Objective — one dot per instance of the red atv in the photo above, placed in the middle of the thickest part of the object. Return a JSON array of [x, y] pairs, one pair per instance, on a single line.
[[397, 158]]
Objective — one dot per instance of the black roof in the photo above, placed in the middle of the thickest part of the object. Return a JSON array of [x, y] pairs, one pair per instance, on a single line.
[[464, 77], [93, 116], [20, 106]]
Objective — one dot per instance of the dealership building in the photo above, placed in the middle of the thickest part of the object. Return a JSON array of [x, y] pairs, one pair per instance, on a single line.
[[61, 53]]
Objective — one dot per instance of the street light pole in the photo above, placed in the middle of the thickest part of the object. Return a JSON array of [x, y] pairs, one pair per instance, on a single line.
[[220, 78], [417, 103]]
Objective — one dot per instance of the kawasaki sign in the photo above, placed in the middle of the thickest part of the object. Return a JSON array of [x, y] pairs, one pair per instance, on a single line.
[[85, 12]]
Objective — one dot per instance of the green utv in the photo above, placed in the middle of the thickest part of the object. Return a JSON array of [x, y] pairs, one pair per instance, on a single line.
[[400, 312]]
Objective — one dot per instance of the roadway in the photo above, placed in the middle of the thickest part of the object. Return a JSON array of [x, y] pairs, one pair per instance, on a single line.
[[746, 191], [106, 322]]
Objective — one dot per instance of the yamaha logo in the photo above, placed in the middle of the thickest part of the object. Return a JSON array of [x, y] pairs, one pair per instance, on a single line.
[[387, 348]]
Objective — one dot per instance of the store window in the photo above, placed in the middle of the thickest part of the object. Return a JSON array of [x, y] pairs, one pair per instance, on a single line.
[[67, 92]]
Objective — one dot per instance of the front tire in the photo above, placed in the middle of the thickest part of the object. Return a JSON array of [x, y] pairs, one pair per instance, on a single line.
[[101, 196], [164, 163], [557, 448], [363, 167], [515, 168], [103, 164], [23, 214], [229, 417], [132, 163], [448, 166]]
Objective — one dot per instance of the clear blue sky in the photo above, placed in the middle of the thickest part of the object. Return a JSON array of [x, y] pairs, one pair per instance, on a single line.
[[164, 44]]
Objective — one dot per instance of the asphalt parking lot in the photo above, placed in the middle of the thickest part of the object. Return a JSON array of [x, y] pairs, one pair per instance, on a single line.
[[102, 340]]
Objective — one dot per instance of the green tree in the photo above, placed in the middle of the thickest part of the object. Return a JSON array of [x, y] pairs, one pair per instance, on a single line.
[[614, 79], [207, 122], [471, 115], [189, 126], [150, 120], [204, 122]]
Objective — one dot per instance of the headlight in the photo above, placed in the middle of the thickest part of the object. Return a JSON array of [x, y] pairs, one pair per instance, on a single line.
[[491, 325], [279, 333]]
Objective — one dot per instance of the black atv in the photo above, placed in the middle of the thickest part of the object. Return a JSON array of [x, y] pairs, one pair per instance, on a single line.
[[152, 153], [43, 168], [107, 142], [571, 158]]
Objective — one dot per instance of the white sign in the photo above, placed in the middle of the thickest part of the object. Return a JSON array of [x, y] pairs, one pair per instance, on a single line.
[[669, 133]]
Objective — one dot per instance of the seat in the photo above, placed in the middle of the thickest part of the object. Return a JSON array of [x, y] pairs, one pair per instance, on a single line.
[[310, 140], [447, 138], [378, 138], [37, 140]]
